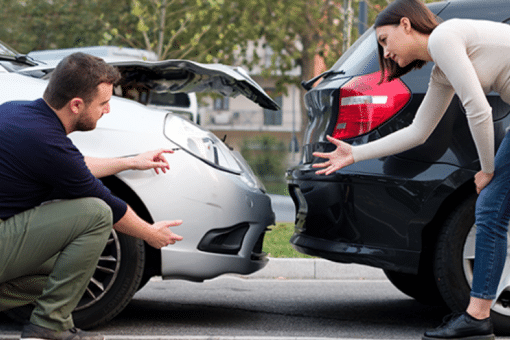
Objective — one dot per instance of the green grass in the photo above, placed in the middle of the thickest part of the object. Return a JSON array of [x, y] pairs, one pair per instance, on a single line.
[[276, 242]]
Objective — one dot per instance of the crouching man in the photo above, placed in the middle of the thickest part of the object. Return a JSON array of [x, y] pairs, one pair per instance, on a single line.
[[55, 215]]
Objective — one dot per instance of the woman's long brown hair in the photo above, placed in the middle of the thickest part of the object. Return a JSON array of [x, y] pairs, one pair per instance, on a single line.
[[422, 20]]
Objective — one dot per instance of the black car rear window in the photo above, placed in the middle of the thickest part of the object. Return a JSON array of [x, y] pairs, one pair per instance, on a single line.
[[360, 58]]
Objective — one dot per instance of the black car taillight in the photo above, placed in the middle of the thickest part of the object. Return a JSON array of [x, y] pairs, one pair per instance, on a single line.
[[364, 105]]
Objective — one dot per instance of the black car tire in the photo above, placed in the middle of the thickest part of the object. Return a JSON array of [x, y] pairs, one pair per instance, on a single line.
[[453, 268], [420, 287], [115, 281], [448, 267]]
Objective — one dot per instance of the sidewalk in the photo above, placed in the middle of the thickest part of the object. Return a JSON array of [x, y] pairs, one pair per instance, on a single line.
[[319, 269]]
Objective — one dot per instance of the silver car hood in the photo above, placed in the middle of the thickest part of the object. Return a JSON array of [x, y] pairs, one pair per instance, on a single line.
[[189, 76], [185, 76]]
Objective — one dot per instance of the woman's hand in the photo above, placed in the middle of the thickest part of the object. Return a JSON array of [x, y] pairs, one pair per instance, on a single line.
[[337, 159], [481, 180]]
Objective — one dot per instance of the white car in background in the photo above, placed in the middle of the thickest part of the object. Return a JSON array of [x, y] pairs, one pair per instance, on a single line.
[[210, 187]]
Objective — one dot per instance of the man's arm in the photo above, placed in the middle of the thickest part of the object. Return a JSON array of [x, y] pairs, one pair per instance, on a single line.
[[157, 235], [102, 167]]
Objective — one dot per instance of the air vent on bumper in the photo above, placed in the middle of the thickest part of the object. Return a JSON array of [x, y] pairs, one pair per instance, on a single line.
[[225, 240]]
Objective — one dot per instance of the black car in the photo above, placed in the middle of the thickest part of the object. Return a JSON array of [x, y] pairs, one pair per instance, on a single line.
[[411, 214]]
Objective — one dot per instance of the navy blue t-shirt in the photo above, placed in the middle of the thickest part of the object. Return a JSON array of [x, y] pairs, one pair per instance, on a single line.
[[38, 162]]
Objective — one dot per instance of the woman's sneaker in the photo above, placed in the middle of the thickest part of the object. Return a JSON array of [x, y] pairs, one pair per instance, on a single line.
[[34, 332]]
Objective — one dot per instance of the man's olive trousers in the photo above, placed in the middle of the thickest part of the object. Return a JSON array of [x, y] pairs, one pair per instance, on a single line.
[[48, 255]]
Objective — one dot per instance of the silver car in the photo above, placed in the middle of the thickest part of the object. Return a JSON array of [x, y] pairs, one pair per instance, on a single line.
[[209, 186]]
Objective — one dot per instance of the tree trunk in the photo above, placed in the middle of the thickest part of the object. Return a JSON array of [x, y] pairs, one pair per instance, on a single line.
[[162, 26]]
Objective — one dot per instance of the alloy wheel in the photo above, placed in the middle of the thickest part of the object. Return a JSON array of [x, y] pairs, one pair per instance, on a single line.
[[105, 274], [501, 304]]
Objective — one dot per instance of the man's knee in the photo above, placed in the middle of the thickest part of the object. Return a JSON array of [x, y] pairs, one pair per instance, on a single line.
[[99, 211], [98, 207]]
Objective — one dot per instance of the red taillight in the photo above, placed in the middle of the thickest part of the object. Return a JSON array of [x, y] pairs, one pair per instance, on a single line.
[[364, 105]]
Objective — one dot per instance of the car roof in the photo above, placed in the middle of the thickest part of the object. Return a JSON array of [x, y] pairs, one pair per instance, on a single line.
[[111, 53], [496, 10]]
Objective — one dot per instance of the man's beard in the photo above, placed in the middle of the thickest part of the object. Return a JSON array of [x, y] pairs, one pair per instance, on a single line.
[[84, 124]]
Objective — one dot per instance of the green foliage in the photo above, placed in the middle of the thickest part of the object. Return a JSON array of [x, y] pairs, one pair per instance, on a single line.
[[277, 188], [267, 158], [42, 24], [202, 30]]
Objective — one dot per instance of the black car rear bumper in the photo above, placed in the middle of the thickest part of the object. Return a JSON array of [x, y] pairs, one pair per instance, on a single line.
[[345, 252], [385, 258], [373, 213]]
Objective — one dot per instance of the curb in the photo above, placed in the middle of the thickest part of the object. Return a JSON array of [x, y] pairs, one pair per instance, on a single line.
[[315, 269]]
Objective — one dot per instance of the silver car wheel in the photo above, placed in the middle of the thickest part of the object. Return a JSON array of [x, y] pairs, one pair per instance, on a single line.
[[105, 274], [501, 304]]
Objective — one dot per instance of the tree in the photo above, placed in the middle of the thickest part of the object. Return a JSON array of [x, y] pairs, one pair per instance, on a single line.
[[43, 24], [201, 30], [219, 30], [295, 31]]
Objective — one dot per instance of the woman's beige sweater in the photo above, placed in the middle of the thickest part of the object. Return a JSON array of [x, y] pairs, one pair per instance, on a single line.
[[472, 58]]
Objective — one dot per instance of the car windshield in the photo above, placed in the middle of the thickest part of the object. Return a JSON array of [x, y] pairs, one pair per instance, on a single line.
[[360, 57], [6, 51], [12, 61], [169, 99]]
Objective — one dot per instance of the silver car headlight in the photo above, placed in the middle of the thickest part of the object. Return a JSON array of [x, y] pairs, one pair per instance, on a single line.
[[204, 145]]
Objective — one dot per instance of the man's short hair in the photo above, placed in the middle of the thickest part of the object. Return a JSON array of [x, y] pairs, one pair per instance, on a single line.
[[77, 76]]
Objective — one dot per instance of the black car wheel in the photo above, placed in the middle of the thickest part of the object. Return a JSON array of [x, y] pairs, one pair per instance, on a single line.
[[420, 287], [454, 260], [116, 279]]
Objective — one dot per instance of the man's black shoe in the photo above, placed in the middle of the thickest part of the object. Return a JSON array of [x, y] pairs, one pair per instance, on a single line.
[[34, 332], [462, 327]]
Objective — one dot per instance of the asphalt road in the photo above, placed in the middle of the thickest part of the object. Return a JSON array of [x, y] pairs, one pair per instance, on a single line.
[[234, 308], [283, 208], [288, 300], [359, 304]]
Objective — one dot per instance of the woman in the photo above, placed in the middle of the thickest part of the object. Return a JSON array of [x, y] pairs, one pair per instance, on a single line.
[[471, 59]]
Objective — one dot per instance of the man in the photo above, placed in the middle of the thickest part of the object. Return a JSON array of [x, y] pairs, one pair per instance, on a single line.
[[55, 215]]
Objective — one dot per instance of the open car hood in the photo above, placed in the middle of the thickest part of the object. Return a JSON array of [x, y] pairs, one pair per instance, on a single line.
[[188, 76], [183, 76]]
